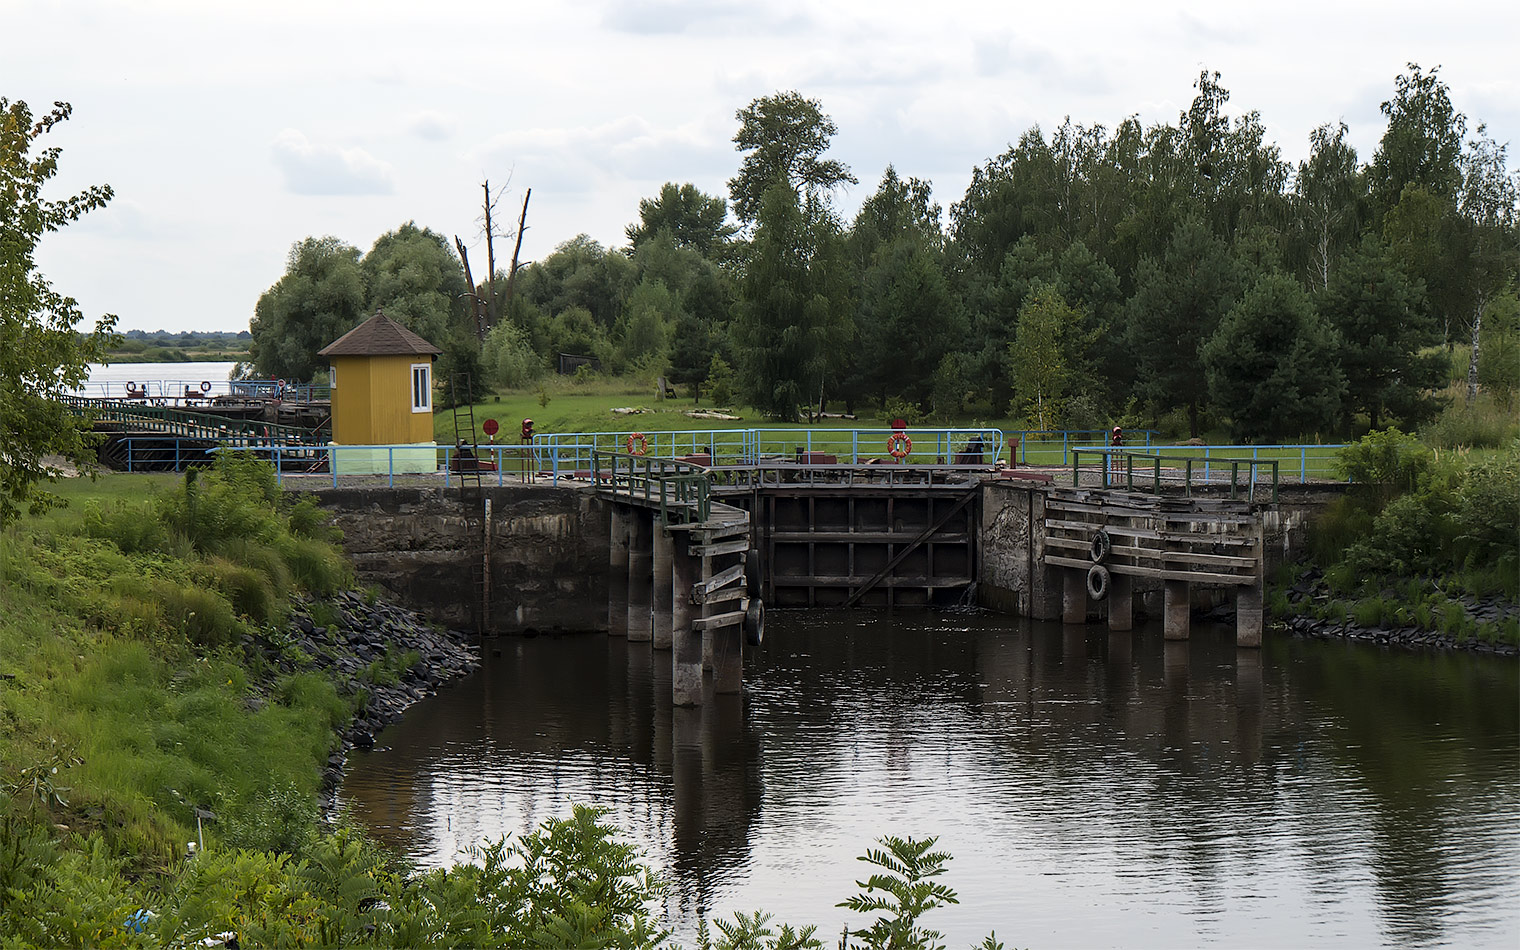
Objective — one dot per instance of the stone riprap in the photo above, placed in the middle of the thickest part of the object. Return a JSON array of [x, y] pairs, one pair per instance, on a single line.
[[343, 637]]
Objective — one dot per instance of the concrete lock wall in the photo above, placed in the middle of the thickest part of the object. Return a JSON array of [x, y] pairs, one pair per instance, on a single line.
[[548, 553]]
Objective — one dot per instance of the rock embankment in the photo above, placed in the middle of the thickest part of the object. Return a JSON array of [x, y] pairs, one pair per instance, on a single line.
[[364, 645], [1311, 594]]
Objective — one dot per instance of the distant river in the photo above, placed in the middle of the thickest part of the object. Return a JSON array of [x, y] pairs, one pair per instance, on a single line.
[[1095, 790], [159, 379]]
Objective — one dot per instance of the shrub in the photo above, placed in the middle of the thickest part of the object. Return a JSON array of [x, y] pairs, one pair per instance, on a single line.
[[1412, 536], [250, 590], [1385, 464]]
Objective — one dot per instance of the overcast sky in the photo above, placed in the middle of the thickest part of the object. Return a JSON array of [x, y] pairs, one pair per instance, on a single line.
[[232, 129]]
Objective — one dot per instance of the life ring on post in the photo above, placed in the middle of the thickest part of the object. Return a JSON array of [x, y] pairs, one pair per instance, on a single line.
[[1102, 544], [899, 445], [637, 438], [1097, 582], [205, 385]]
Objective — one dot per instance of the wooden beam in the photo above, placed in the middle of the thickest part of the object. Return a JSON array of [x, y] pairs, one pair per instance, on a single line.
[[1157, 554], [721, 547], [721, 579], [718, 620], [1134, 570], [720, 596]]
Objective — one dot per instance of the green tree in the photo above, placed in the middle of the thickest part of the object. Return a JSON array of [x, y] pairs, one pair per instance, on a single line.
[[41, 355], [907, 322], [1271, 364], [580, 273], [692, 219], [509, 358], [784, 136], [1488, 204], [414, 276], [793, 319], [1383, 325], [1328, 202], [1422, 144], [1041, 357], [1178, 304], [691, 352], [1499, 362], [320, 298], [643, 327]]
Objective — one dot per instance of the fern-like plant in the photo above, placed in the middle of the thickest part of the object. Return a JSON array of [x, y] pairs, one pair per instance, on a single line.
[[902, 892]]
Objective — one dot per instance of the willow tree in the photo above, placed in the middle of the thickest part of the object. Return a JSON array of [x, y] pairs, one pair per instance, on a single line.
[[41, 354]]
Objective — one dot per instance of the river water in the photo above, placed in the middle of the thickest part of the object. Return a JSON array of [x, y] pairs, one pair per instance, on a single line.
[[1093, 789]]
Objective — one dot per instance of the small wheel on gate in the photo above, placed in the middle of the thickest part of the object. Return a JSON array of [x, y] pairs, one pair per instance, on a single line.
[[205, 385], [754, 622], [1097, 582], [1102, 544]]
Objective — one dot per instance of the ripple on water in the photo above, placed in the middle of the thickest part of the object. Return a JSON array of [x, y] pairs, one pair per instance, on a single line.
[[1150, 797]]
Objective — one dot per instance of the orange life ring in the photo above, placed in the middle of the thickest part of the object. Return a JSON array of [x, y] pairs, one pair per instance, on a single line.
[[899, 445], [642, 442]]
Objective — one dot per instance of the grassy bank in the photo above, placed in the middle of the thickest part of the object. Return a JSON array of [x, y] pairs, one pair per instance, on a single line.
[[147, 681]]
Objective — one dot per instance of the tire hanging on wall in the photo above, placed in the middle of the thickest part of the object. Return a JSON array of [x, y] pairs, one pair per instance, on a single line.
[[1102, 544], [1097, 582], [754, 622]]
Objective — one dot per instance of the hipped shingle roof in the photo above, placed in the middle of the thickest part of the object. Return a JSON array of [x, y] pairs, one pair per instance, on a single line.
[[379, 336]]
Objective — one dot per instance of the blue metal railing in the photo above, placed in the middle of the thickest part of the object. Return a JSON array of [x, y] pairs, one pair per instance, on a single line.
[[496, 464], [927, 445]]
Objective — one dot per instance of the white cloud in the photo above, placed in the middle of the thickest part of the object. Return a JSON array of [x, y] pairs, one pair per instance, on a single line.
[[707, 17], [432, 126], [328, 170]]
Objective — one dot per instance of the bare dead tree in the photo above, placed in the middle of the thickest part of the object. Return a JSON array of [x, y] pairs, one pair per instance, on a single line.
[[522, 225], [475, 308]]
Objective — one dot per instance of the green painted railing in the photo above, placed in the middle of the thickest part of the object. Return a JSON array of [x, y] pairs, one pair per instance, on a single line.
[[1116, 468], [238, 433], [678, 489]]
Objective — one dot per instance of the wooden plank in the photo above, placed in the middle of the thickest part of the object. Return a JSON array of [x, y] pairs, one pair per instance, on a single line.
[[1159, 554], [1086, 530], [721, 579], [717, 620], [720, 596], [721, 547], [1133, 570], [908, 548], [841, 580], [955, 536]]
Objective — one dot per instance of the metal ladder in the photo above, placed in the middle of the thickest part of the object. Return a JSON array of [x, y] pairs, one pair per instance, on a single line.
[[473, 501]]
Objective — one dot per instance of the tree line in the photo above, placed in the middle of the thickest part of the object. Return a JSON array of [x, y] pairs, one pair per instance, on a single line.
[[1182, 270]]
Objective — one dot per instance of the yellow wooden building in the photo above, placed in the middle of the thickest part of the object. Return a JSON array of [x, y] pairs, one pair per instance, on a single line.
[[381, 375]]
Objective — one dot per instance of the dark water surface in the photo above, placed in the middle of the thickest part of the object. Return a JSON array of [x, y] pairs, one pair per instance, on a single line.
[[1094, 789]]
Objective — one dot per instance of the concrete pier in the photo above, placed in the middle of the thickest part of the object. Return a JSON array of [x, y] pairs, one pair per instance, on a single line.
[[640, 577], [1121, 602], [1176, 610], [1073, 595], [662, 599], [617, 571], [1248, 615], [686, 642]]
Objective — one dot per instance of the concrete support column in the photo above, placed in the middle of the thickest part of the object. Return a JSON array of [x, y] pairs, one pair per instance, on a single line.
[[617, 572], [1248, 615], [661, 599], [640, 576], [1121, 602], [1073, 595], [1176, 610], [728, 653], [686, 643]]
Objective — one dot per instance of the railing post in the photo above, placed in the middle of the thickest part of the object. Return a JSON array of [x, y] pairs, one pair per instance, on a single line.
[[390, 467]]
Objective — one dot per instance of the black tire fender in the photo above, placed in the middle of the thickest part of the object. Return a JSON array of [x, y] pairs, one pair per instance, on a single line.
[[1102, 544], [1097, 582], [754, 622]]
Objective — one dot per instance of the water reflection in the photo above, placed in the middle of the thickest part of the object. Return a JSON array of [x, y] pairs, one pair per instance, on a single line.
[[1095, 788]]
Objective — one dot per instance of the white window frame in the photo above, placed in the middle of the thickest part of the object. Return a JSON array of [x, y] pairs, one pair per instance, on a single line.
[[422, 395], [332, 375]]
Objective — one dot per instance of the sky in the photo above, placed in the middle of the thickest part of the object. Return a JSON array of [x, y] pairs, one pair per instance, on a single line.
[[231, 130]]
